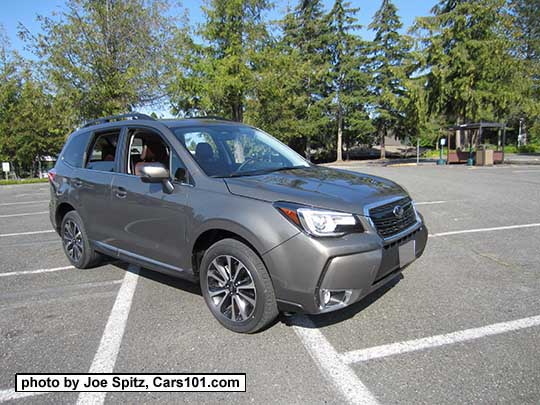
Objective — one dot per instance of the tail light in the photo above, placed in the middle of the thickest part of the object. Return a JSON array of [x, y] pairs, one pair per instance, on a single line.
[[51, 174]]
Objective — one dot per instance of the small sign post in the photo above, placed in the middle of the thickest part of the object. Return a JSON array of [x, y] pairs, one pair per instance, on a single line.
[[5, 168], [441, 161]]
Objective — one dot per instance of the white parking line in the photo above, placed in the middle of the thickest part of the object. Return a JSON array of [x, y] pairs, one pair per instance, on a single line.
[[24, 202], [430, 202], [377, 352], [5, 235], [10, 395], [497, 228], [526, 171], [21, 273], [26, 214], [105, 358], [329, 363]]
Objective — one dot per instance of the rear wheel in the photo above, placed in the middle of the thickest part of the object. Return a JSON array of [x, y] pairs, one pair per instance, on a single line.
[[76, 243], [236, 287]]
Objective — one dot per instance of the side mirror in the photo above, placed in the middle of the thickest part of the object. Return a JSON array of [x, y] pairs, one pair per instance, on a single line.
[[156, 173]]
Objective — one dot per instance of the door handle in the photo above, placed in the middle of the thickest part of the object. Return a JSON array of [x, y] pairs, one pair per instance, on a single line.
[[121, 192], [77, 182]]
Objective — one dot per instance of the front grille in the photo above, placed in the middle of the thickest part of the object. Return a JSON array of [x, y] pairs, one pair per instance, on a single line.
[[387, 223]]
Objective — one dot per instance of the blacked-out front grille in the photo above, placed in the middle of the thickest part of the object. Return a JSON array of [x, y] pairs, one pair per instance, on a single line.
[[389, 223]]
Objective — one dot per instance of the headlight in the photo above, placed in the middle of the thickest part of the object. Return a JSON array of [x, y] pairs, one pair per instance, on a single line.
[[319, 222]]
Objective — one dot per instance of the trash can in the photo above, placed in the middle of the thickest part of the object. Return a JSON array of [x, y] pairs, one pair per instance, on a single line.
[[484, 157]]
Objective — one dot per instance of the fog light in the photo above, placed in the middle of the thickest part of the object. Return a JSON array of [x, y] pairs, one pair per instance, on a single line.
[[326, 295], [331, 298]]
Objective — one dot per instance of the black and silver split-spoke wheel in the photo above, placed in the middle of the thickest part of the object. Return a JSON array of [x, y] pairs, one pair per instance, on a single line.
[[237, 287], [72, 239], [75, 241]]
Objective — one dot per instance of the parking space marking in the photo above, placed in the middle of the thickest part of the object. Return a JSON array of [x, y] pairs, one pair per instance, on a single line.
[[526, 171], [330, 364], [22, 273], [24, 214], [5, 235], [24, 202], [357, 356], [11, 394], [497, 228], [105, 357]]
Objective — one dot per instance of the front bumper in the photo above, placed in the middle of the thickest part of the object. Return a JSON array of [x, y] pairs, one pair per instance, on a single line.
[[361, 263]]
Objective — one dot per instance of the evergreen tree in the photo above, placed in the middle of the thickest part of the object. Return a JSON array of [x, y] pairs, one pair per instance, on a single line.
[[526, 34], [306, 33], [217, 77], [471, 72], [389, 50], [348, 81]]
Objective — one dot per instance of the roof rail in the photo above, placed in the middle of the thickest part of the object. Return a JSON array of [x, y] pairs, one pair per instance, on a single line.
[[208, 117], [133, 116]]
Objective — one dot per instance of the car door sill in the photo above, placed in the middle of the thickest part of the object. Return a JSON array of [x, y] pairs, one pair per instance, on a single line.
[[143, 261]]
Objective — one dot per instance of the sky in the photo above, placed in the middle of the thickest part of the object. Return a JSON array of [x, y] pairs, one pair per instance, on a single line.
[[25, 11]]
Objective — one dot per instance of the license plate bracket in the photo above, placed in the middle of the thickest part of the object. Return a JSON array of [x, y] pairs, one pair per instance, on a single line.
[[407, 253]]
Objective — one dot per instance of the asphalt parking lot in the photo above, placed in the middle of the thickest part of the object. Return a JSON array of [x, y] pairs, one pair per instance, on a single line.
[[462, 325]]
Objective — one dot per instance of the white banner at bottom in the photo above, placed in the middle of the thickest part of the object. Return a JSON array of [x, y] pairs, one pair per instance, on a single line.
[[122, 382]]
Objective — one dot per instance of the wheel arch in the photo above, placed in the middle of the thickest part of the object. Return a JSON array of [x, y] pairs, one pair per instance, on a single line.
[[218, 231], [61, 212]]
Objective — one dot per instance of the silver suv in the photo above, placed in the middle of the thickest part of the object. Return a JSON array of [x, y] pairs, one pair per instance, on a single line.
[[228, 206]]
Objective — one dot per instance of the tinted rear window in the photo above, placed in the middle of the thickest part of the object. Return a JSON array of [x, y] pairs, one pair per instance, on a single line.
[[103, 152], [75, 149]]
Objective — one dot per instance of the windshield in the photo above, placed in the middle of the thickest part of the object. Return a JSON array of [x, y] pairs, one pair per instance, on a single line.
[[231, 151]]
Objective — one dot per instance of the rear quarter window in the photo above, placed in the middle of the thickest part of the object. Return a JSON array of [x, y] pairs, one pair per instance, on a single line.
[[75, 149]]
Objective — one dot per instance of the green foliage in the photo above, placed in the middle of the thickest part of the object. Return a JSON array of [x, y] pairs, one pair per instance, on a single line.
[[24, 181], [389, 74], [471, 73], [104, 57], [217, 77]]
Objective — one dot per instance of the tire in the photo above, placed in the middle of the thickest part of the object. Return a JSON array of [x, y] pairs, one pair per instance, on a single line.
[[249, 305], [76, 244]]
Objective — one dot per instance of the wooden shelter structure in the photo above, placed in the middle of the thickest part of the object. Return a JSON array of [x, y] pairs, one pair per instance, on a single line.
[[465, 139]]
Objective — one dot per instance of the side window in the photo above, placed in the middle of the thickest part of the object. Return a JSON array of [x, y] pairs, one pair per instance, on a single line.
[[103, 152], [147, 147], [75, 149]]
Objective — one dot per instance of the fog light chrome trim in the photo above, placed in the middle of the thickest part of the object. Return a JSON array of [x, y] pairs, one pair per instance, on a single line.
[[334, 298]]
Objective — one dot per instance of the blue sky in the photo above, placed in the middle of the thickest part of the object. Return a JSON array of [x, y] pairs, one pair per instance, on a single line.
[[25, 11]]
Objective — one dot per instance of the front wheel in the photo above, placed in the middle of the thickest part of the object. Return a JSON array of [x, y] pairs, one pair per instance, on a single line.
[[236, 287]]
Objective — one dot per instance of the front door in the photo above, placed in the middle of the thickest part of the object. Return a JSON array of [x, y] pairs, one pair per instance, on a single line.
[[149, 222]]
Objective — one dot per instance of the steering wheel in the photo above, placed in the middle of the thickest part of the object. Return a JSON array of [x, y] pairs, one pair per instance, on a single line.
[[244, 164]]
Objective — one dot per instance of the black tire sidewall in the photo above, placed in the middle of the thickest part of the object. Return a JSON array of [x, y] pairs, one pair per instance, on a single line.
[[86, 256], [257, 270]]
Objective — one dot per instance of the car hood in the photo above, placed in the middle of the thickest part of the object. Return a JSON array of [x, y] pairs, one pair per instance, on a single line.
[[317, 186]]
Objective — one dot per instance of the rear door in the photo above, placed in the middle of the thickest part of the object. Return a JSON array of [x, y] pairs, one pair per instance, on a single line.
[[147, 221], [91, 184]]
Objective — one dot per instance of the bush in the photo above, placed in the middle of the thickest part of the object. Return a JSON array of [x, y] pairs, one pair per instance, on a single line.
[[23, 181], [530, 148]]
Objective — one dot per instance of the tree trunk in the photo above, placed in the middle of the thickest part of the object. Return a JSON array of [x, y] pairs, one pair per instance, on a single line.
[[383, 136], [307, 152], [339, 137]]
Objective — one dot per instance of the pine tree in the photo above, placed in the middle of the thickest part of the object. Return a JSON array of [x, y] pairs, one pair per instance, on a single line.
[[348, 81], [217, 76], [387, 65], [472, 74], [306, 34]]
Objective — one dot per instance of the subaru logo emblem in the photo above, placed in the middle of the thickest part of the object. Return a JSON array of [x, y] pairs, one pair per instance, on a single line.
[[398, 211]]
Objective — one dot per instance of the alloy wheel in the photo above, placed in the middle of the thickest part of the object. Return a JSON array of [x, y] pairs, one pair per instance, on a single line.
[[231, 288], [73, 242]]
